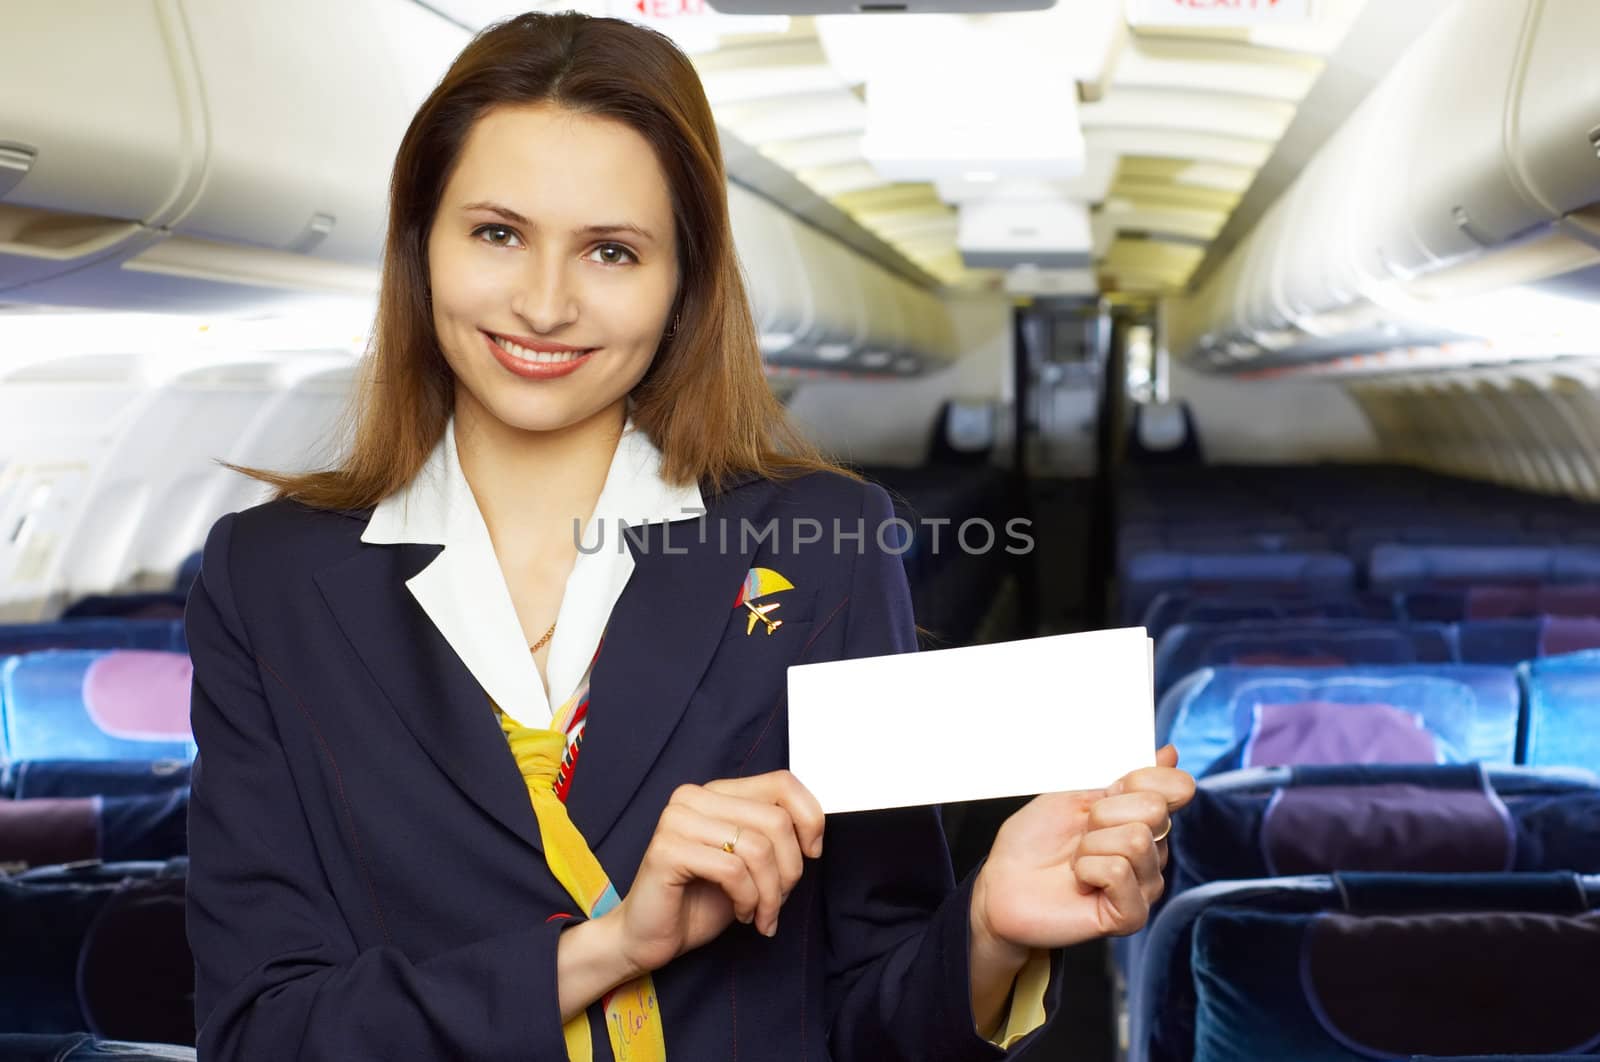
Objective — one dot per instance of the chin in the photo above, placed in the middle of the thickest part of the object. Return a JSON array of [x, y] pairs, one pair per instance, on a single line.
[[540, 413]]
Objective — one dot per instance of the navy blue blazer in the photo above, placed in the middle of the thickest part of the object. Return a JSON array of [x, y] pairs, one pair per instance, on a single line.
[[366, 878]]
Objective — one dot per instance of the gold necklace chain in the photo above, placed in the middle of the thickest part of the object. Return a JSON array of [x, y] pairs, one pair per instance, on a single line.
[[536, 646]]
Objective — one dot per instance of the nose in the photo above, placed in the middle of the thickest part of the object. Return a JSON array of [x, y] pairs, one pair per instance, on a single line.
[[546, 299]]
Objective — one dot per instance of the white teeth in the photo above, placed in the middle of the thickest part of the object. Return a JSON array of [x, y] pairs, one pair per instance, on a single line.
[[547, 357]]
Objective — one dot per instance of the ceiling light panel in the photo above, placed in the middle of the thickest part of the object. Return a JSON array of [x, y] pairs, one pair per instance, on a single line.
[[1186, 111], [796, 118], [1214, 67]]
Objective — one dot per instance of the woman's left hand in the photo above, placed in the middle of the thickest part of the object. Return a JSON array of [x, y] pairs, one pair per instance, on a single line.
[[1073, 866]]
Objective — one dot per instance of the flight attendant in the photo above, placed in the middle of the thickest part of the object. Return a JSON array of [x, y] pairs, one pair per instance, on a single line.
[[491, 714]]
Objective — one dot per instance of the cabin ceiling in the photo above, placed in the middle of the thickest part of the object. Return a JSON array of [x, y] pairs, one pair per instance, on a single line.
[[1177, 121]]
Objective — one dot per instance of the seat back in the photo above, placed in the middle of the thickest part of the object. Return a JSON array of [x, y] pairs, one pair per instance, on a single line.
[[1511, 602], [165, 634], [1401, 568], [96, 705], [1511, 641], [1173, 607], [1229, 717], [98, 948], [82, 1047], [1563, 718], [1298, 643], [1146, 575], [1348, 967], [1459, 818]]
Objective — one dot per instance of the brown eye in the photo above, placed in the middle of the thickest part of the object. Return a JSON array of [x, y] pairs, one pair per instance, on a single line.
[[495, 230], [614, 254]]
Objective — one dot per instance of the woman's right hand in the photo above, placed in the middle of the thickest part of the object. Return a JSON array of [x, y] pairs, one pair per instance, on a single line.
[[688, 889]]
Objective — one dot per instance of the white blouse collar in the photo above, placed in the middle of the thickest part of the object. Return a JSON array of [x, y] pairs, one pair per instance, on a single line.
[[463, 590]]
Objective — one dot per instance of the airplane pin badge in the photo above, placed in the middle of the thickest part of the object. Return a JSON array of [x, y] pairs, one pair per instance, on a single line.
[[759, 582]]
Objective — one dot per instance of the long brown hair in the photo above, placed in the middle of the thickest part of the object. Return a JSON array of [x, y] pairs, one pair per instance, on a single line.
[[704, 402]]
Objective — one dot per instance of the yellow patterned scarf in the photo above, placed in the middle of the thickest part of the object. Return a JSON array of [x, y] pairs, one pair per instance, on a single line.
[[633, 1018]]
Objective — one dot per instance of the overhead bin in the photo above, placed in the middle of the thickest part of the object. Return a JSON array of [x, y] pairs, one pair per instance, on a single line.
[[1560, 96], [839, 317], [304, 112], [1461, 189], [255, 130], [816, 302], [92, 134], [779, 289], [1478, 147]]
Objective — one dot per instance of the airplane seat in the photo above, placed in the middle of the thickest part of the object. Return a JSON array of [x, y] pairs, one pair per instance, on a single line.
[[97, 633], [188, 571], [1561, 635], [1563, 698], [1511, 641], [1203, 539], [1225, 718], [1354, 966], [1164, 433], [98, 948], [1304, 643], [963, 434], [1145, 576], [96, 704], [35, 779], [1501, 1058], [1360, 540], [1519, 602], [1401, 569], [157, 605], [83, 1047], [1171, 607], [951, 590], [1269, 822], [42, 831]]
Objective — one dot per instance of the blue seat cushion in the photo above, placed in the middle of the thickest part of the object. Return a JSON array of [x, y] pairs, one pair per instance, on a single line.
[[1471, 712], [1336, 987]]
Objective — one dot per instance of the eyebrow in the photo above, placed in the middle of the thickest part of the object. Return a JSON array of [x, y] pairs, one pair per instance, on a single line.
[[587, 230]]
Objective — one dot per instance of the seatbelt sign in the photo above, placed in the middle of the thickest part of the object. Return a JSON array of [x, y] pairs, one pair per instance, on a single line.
[[1219, 12]]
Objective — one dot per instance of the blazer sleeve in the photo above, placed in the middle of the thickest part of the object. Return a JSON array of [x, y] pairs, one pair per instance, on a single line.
[[897, 923], [277, 974]]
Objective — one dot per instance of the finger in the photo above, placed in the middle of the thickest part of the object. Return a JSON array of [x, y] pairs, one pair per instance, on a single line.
[[1141, 806], [767, 844], [728, 872], [683, 829], [1133, 841], [753, 848], [785, 790], [1174, 786], [771, 820], [1114, 877], [1167, 756]]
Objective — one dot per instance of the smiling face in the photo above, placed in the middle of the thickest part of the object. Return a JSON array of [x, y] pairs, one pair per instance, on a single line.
[[553, 266]]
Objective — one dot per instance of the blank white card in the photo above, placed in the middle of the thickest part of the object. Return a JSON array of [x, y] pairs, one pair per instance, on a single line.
[[1069, 711]]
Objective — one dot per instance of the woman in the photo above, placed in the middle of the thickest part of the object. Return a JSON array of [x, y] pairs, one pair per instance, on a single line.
[[409, 838]]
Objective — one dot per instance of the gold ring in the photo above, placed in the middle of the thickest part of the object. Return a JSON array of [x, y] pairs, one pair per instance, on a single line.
[[1164, 833], [727, 846]]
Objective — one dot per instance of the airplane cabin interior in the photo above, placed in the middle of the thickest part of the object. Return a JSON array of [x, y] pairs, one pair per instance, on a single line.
[[1276, 321]]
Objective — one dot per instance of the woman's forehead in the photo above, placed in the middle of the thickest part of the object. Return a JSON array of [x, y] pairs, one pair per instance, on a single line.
[[561, 167]]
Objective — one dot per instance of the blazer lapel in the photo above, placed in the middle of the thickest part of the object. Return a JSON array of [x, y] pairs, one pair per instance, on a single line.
[[434, 694], [658, 643]]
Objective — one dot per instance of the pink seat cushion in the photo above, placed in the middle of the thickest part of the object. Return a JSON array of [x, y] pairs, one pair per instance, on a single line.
[[1322, 732], [140, 695]]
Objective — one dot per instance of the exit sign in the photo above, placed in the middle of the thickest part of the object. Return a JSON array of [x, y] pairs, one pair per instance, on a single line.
[[1218, 12], [666, 8]]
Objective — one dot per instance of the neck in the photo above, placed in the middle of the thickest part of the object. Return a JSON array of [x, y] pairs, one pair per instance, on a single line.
[[532, 485]]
